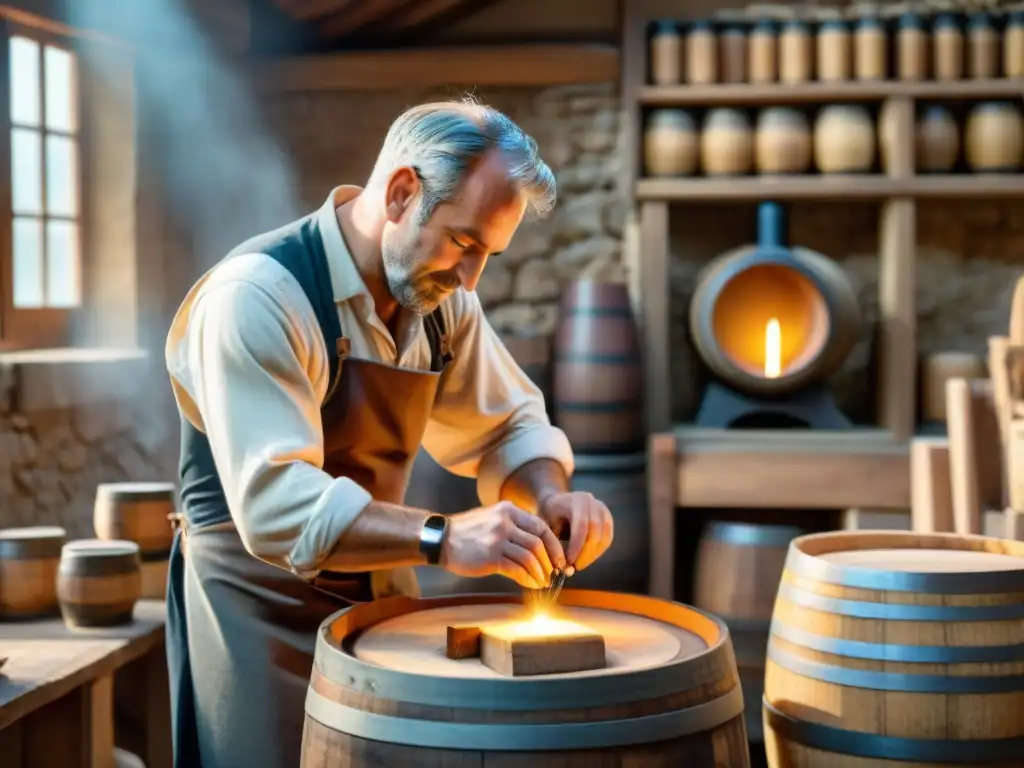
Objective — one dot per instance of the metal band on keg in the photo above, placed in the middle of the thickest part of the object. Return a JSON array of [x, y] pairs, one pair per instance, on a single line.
[[897, 611], [876, 746], [799, 563], [746, 535], [892, 681], [913, 654], [526, 737]]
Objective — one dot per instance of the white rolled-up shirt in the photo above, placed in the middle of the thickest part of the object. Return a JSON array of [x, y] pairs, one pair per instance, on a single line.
[[249, 368]]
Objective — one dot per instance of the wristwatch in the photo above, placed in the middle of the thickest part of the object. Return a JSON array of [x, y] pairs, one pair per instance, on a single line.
[[435, 528]]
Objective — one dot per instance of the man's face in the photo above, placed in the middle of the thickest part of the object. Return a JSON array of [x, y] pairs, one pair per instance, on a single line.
[[425, 261]]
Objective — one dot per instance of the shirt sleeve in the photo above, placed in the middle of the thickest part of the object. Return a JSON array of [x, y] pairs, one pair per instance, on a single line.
[[252, 366], [490, 418]]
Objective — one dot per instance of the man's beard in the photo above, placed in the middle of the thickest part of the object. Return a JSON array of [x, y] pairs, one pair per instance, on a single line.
[[419, 293]]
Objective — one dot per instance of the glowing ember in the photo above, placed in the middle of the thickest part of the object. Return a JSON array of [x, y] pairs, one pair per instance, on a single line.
[[772, 349], [542, 625]]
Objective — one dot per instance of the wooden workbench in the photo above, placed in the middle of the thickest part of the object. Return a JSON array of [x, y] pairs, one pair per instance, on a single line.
[[63, 691]]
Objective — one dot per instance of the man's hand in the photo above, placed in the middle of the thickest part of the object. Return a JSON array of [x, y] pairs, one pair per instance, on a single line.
[[502, 539], [590, 525]]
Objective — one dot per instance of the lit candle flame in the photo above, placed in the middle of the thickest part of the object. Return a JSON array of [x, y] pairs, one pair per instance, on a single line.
[[772, 349]]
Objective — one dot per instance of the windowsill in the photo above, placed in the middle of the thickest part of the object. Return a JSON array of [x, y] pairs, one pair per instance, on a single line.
[[67, 377]]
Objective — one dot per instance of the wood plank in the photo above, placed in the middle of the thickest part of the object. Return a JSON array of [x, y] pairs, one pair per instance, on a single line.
[[723, 94], [514, 655], [962, 449], [513, 65], [462, 642], [824, 472], [931, 501], [662, 496]]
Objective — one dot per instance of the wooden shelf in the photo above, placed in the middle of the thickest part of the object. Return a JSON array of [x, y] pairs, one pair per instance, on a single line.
[[740, 94], [831, 187]]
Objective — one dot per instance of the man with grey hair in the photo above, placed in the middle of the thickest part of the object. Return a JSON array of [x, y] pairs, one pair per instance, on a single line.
[[309, 366]]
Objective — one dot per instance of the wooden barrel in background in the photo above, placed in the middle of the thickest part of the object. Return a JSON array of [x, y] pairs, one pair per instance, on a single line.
[[98, 582], [598, 371], [894, 648], [139, 512], [737, 573], [381, 695], [28, 571]]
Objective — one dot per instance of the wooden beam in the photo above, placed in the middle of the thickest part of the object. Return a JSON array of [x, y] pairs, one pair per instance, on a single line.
[[354, 18], [432, 16], [310, 10], [520, 65]]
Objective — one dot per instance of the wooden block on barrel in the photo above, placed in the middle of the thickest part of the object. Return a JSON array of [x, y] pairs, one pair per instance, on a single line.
[[506, 651], [463, 642]]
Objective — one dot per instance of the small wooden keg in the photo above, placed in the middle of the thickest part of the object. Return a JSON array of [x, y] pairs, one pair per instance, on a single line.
[[783, 141], [870, 49], [982, 46], [737, 573], [833, 50], [99, 582], [1013, 45], [914, 638], [936, 140], [671, 143], [726, 143], [701, 53], [598, 371], [938, 368], [796, 52], [28, 571], [139, 512], [911, 48], [732, 51], [666, 53], [994, 139], [670, 697], [948, 47], [844, 140], [763, 54]]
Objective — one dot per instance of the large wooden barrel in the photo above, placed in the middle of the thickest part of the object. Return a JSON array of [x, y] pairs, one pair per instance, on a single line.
[[533, 353], [28, 571], [139, 512], [598, 369], [897, 649], [383, 692], [808, 294], [738, 570], [98, 582]]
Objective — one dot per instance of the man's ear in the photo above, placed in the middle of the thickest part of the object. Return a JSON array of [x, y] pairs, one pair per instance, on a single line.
[[403, 186]]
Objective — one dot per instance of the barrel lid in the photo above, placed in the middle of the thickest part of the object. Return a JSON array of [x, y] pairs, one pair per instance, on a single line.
[[980, 20], [911, 20], [664, 27], [765, 25], [38, 541], [870, 21], [138, 491], [946, 20], [833, 25], [796, 25], [99, 548], [702, 25]]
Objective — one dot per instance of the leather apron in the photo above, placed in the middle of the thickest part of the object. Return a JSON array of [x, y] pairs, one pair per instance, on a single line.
[[240, 632]]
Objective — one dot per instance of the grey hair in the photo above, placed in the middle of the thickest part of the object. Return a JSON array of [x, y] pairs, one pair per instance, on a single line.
[[442, 140]]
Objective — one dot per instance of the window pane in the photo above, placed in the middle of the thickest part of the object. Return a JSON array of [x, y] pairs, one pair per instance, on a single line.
[[59, 66], [26, 84], [26, 171], [61, 264], [28, 262], [61, 176]]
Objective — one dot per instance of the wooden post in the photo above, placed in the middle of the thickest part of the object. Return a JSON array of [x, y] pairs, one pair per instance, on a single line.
[[931, 502], [656, 318], [661, 483], [962, 449], [897, 308]]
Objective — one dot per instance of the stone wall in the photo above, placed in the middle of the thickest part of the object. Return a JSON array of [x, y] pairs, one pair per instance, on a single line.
[[333, 138], [51, 460]]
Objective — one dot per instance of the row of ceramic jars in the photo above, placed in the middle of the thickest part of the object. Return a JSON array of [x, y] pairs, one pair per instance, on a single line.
[[945, 47], [843, 140]]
